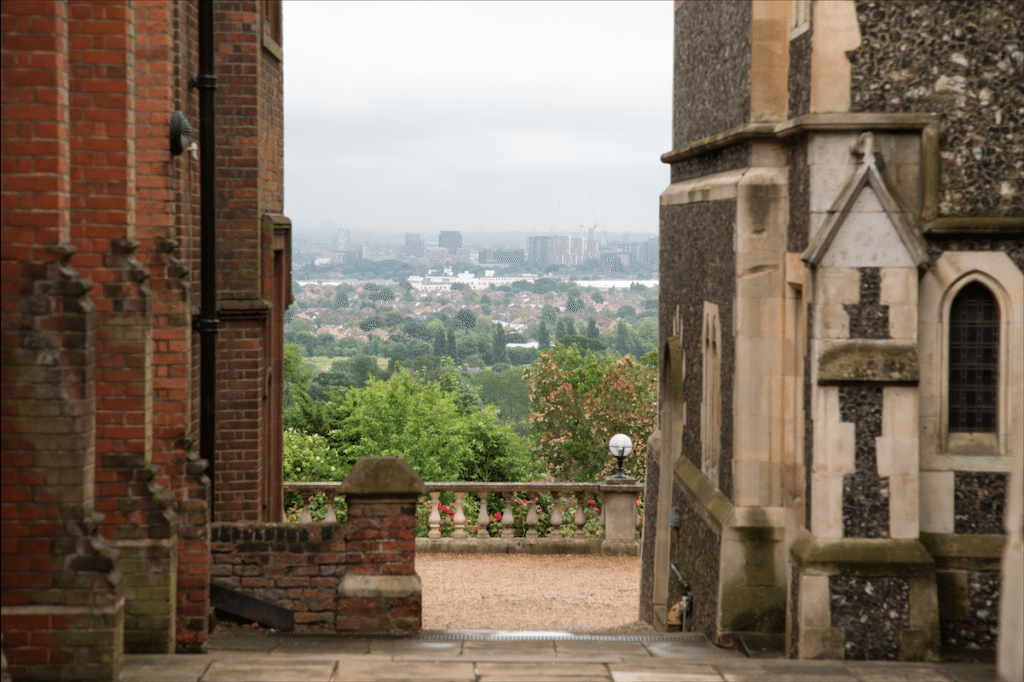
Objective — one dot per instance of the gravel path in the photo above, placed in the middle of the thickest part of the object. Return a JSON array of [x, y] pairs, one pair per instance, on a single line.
[[576, 593]]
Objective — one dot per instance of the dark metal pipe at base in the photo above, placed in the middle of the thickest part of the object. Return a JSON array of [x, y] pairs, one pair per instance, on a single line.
[[207, 324]]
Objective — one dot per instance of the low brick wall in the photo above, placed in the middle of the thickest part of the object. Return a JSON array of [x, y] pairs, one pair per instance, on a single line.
[[358, 576], [294, 566]]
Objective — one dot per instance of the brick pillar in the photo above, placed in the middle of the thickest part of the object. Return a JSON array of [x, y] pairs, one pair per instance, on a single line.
[[380, 592], [63, 603]]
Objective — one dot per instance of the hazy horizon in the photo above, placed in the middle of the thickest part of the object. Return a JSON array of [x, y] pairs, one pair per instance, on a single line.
[[496, 119]]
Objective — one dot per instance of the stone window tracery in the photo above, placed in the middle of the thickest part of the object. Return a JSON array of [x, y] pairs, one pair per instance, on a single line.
[[711, 393]]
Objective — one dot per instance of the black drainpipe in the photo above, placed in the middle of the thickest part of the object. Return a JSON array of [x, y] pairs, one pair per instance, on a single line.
[[207, 324]]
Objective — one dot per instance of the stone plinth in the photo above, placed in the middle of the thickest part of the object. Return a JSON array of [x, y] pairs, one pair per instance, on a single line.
[[381, 592], [620, 516]]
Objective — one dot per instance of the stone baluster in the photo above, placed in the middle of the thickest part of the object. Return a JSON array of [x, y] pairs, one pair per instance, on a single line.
[[435, 515], [305, 516], [556, 516], [482, 519], [581, 516], [460, 516], [506, 516], [531, 516], [331, 516]]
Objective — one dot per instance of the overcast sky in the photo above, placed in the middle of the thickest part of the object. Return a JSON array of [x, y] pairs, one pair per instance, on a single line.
[[477, 116]]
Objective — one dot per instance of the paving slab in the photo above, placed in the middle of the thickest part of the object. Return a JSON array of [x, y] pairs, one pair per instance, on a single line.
[[690, 650], [542, 672], [615, 649], [177, 668], [318, 645], [264, 671], [416, 647], [510, 651], [648, 676], [357, 669], [885, 671], [969, 672]]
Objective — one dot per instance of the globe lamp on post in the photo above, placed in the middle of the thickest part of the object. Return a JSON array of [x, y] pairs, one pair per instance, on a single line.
[[620, 447]]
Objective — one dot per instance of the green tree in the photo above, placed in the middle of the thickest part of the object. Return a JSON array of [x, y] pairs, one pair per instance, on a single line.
[[622, 340], [452, 349], [498, 351], [579, 401], [583, 343], [301, 325], [437, 425], [626, 311], [543, 338], [466, 318], [592, 331], [549, 314], [596, 297], [439, 343], [375, 292], [296, 377]]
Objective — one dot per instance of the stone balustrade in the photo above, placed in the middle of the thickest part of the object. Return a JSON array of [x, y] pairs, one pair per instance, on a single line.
[[616, 497]]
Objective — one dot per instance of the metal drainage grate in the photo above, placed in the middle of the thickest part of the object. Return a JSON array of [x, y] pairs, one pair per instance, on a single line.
[[505, 636], [502, 636]]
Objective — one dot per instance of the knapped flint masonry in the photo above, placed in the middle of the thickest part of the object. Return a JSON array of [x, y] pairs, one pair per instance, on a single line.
[[841, 329]]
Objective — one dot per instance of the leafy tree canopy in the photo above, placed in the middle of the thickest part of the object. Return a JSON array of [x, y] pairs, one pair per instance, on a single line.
[[580, 401]]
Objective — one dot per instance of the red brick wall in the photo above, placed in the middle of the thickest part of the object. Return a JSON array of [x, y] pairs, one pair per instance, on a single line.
[[294, 566], [241, 429], [300, 567], [381, 542], [48, 346], [100, 280]]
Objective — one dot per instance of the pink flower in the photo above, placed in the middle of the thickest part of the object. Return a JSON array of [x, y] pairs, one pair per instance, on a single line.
[[497, 515], [591, 502]]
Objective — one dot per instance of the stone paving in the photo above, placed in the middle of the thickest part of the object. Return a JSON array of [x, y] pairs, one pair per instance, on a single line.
[[482, 657]]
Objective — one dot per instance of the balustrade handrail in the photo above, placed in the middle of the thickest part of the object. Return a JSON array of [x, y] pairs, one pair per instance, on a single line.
[[507, 489], [579, 490]]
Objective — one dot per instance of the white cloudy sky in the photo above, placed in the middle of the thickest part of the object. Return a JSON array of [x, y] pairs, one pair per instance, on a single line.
[[477, 116]]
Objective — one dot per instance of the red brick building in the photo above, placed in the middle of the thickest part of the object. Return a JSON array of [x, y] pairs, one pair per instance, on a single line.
[[106, 496]]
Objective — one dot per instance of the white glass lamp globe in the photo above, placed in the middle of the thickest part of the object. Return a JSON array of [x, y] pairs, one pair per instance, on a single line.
[[620, 445]]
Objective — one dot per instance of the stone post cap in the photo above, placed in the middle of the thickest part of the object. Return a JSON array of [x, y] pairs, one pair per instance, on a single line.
[[382, 477], [629, 484]]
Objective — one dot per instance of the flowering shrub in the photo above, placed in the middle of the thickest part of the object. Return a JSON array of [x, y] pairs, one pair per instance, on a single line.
[[317, 508], [580, 401], [470, 507], [309, 457]]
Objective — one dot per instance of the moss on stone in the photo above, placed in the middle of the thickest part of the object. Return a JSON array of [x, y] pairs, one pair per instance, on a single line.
[[382, 476], [711, 503], [862, 557], [865, 361], [753, 608]]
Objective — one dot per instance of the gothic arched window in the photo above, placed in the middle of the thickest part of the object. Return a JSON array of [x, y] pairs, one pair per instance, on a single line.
[[973, 360]]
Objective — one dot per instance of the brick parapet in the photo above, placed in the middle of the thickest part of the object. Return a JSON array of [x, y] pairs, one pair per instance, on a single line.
[[357, 575], [294, 566]]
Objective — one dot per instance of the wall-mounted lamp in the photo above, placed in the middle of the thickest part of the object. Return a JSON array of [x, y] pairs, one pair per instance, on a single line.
[[181, 132]]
